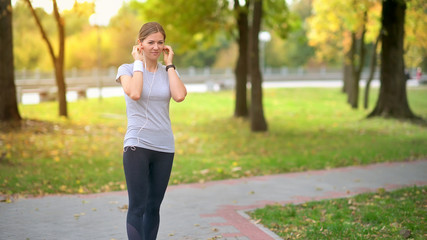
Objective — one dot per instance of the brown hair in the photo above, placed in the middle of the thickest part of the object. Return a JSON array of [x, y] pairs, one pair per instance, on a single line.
[[150, 28]]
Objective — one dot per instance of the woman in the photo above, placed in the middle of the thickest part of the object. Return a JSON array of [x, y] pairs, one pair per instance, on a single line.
[[149, 143]]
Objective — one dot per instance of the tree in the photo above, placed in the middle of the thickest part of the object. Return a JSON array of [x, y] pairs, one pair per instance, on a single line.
[[8, 101], [295, 48], [212, 17], [346, 28], [241, 71], [326, 30], [276, 20], [29, 50], [58, 60], [195, 29], [392, 101], [357, 57], [258, 122], [415, 35], [371, 70]]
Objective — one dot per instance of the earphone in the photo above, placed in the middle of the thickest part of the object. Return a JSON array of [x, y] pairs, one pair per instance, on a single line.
[[148, 98]]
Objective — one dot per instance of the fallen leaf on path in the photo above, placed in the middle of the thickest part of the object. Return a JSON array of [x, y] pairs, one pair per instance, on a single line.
[[124, 208]]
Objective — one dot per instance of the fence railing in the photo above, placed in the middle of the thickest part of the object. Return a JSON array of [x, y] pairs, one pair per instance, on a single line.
[[79, 80], [191, 71]]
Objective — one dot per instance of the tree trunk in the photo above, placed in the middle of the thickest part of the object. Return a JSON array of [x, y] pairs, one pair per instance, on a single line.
[[58, 62], [392, 101], [258, 122], [62, 89], [372, 67], [346, 72], [241, 71], [357, 63], [8, 100], [351, 81]]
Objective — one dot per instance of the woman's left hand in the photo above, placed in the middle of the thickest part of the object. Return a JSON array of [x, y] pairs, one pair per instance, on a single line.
[[168, 55]]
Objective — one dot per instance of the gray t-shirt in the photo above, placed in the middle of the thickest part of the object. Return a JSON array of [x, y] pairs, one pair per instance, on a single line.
[[149, 129]]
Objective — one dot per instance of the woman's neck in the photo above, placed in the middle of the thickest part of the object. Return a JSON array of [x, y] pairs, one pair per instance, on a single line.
[[151, 66]]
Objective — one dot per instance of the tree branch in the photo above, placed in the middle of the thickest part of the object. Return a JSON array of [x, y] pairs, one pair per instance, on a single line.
[[60, 24], [44, 35]]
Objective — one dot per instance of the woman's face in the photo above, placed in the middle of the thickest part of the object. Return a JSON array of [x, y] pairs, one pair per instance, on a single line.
[[153, 46]]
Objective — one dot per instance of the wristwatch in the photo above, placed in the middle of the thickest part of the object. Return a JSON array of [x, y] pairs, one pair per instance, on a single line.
[[170, 66]]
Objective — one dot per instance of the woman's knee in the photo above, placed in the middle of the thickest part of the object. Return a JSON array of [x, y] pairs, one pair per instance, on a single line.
[[153, 204], [137, 211]]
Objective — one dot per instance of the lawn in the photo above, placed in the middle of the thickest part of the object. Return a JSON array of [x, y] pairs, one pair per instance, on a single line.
[[309, 128], [382, 215]]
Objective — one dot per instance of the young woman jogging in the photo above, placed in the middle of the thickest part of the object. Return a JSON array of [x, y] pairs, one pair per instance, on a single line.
[[149, 142]]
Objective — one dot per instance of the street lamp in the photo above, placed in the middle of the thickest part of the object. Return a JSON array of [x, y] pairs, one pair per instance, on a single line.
[[264, 37], [95, 20]]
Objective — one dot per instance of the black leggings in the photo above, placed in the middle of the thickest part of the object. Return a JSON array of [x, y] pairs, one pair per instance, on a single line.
[[147, 175]]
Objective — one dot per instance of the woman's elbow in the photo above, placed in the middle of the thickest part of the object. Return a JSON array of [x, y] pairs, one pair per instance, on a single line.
[[134, 95], [179, 98]]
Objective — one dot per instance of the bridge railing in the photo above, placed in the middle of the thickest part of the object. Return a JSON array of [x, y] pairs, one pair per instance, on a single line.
[[79, 80]]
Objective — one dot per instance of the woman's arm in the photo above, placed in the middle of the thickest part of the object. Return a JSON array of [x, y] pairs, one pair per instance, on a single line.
[[132, 85], [177, 88]]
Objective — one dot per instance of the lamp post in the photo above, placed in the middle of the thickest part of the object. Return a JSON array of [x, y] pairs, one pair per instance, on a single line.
[[94, 20], [264, 37]]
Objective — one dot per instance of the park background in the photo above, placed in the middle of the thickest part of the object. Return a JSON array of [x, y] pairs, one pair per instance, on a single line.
[[308, 128], [313, 36]]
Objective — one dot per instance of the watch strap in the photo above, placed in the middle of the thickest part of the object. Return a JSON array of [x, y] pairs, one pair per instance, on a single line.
[[170, 66]]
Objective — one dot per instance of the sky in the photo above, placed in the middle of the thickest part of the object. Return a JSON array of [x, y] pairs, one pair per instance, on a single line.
[[104, 9]]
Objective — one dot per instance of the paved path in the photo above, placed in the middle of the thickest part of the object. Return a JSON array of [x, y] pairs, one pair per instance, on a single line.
[[199, 211]]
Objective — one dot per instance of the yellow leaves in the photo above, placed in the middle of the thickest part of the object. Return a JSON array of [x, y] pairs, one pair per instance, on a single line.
[[331, 19], [55, 155], [54, 152], [124, 208], [235, 167], [77, 216], [121, 130], [180, 151], [8, 155], [113, 186], [81, 190]]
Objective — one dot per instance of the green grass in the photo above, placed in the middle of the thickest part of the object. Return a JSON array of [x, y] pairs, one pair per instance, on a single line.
[[308, 129], [382, 215]]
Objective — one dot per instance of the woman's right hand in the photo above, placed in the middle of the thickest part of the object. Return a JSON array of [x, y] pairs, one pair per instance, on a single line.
[[137, 53]]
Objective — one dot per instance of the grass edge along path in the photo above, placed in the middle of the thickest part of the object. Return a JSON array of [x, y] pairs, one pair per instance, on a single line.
[[399, 214]]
